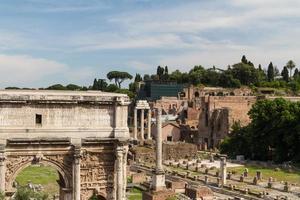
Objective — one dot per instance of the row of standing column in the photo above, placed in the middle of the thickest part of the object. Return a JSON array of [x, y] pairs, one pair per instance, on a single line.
[[135, 131]]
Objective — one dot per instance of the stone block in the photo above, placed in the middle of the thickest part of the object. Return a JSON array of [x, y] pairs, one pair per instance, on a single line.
[[157, 195], [201, 192]]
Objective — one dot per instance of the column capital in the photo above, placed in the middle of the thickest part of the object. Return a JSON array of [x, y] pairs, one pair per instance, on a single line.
[[2, 157], [119, 151], [77, 154]]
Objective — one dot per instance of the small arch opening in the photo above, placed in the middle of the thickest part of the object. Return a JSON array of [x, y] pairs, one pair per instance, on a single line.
[[97, 197], [39, 179]]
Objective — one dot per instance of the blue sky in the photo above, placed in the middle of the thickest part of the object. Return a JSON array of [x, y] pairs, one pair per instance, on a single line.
[[43, 42]]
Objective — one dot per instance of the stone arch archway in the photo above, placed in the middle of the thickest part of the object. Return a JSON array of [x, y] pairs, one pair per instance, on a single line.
[[13, 173]]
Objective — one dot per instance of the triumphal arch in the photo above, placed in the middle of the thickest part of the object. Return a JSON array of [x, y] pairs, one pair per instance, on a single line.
[[83, 135]]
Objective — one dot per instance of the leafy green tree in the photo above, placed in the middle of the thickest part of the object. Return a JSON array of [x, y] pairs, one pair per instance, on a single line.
[[245, 73], [56, 87], [147, 77], [270, 72], [285, 74], [160, 72], [118, 77], [111, 88], [227, 80], [166, 74], [211, 77], [196, 75], [133, 87], [138, 78], [296, 73], [12, 88], [99, 84], [290, 65], [102, 84], [95, 85], [166, 70], [73, 87], [154, 77], [176, 76], [250, 63]]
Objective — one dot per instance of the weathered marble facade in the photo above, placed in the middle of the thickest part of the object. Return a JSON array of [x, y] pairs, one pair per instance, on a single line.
[[83, 135]]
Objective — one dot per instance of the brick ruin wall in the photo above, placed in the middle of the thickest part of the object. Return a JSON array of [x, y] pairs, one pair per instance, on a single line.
[[179, 151]]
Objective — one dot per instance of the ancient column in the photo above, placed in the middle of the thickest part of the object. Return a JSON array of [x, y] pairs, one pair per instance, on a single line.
[[149, 125], [142, 124], [159, 142], [223, 167], [125, 151], [135, 124], [2, 172], [76, 172], [159, 175], [119, 169]]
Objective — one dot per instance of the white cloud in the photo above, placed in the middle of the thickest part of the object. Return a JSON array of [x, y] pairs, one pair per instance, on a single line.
[[96, 41], [25, 70], [140, 65]]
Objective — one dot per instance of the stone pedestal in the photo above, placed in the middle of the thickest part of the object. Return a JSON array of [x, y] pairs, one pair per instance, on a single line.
[[158, 181], [158, 195]]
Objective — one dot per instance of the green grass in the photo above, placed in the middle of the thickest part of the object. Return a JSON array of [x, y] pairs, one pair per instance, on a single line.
[[282, 175], [135, 194], [44, 175]]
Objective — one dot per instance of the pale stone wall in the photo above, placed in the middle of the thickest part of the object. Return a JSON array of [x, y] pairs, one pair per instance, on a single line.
[[68, 114], [168, 130], [56, 116]]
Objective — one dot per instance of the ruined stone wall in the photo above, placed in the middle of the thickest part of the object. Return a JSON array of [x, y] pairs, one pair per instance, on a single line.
[[218, 115], [239, 106], [169, 105], [179, 151]]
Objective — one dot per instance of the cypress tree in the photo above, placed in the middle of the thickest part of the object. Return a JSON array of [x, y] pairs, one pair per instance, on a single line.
[[270, 72], [285, 74], [244, 60], [296, 73], [95, 85]]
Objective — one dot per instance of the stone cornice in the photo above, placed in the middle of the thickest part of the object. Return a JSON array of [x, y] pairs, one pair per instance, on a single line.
[[62, 97]]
